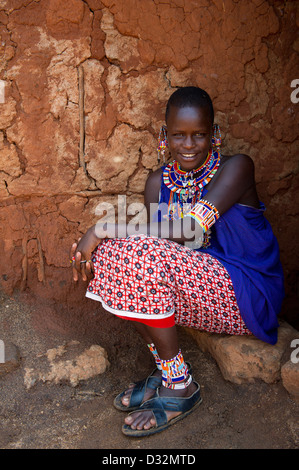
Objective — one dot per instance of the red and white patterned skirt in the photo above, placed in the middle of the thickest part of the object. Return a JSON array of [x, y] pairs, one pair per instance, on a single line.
[[162, 283]]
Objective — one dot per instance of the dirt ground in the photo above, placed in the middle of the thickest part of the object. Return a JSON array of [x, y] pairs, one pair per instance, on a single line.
[[49, 416]]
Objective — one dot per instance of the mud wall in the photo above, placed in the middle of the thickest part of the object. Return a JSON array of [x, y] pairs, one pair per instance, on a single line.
[[86, 83]]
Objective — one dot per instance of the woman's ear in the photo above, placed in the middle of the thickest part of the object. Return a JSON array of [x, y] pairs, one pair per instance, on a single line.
[[162, 144]]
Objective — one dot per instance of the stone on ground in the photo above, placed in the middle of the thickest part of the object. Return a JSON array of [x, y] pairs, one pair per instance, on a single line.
[[290, 378], [245, 358], [68, 363]]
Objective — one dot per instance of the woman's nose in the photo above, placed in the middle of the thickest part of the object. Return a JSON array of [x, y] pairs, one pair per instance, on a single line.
[[188, 142]]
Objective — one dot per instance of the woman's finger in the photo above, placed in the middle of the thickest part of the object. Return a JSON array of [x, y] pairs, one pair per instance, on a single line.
[[89, 269], [72, 260], [83, 270], [76, 265], [73, 250]]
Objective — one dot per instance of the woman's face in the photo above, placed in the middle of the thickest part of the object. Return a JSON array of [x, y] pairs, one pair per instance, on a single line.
[[189, 133]]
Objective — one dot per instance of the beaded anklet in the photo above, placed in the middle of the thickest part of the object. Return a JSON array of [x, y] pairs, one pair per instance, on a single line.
[[154, 352], [175, 373]]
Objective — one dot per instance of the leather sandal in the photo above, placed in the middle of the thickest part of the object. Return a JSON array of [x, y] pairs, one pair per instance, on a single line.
[[151, 382], [158, 406]]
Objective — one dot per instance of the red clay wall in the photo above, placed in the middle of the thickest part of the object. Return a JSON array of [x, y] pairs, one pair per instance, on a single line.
[[86, 83]]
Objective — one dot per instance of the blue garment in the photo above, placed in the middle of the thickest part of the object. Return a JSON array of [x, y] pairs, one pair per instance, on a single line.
[[243, 241]]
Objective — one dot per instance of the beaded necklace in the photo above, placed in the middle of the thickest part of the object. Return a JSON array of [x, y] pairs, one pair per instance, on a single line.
[[186, 187]]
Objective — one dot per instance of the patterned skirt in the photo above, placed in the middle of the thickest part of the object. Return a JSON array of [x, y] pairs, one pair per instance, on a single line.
[[162, 283]]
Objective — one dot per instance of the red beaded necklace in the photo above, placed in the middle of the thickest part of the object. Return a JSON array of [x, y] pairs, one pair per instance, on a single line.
[[186, 184]]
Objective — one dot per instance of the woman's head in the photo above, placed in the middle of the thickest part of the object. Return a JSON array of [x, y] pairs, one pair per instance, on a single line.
[[189, 120], [190, 96]]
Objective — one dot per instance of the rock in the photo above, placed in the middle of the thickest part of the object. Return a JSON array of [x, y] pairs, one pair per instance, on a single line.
[[246, 358], [67, 363], [9, 357], [290, 379]]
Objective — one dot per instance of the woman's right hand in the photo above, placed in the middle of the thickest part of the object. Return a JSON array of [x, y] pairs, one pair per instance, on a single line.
[[81, 254]]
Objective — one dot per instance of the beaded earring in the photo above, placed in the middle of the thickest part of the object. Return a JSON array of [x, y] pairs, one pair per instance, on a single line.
[[162, 144], [216, 138]]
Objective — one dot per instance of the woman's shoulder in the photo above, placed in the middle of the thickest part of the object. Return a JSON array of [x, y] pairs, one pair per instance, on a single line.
[[236, 167], [239, 159], [155, 175], [154, 178], [236, 172]]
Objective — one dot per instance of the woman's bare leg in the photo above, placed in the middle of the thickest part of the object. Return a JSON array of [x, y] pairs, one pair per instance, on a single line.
[[166, 342]]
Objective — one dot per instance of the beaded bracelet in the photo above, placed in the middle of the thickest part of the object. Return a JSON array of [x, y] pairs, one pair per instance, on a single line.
[[205, 213]]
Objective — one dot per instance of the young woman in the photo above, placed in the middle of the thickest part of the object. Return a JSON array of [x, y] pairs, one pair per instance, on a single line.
[[207, 260]]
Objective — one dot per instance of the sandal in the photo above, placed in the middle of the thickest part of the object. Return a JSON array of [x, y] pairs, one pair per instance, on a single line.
[[152, 382], [158, 405]]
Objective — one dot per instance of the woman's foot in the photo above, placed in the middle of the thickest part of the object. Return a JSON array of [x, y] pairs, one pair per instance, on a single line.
[[148, 393], [146, 420]]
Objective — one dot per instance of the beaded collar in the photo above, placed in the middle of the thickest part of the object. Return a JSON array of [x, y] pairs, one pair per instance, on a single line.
[[187, 184]]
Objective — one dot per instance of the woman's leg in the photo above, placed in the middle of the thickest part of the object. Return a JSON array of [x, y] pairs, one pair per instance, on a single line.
[[166, 342], [149, 393], [143, 331]]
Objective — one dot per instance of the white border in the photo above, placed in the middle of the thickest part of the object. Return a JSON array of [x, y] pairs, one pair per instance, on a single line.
[[124, 313]]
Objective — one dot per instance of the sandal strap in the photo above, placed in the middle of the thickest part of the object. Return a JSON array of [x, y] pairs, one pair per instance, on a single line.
[[137, 395], [180, 404]]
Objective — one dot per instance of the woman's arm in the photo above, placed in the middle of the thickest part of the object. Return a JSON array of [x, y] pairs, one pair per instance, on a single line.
[[152, 190], [233, 183]]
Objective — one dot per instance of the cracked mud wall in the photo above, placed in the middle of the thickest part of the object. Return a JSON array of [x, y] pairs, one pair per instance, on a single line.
[[86, 83]]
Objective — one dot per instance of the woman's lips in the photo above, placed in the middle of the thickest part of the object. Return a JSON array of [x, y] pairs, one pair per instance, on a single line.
[[188, 156]]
